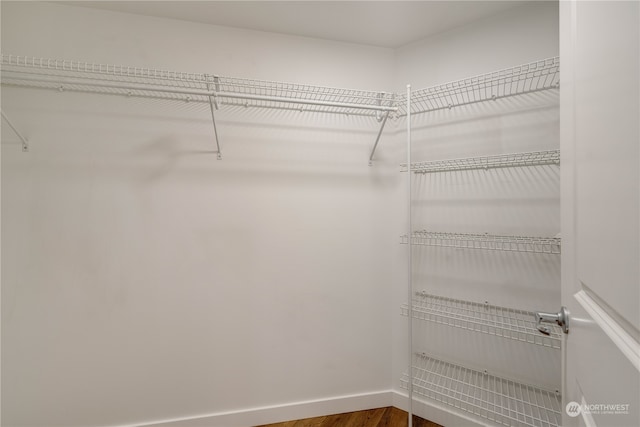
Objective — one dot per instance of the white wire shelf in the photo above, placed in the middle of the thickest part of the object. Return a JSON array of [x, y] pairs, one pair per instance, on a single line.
[[542, 245], [146, 82], [519, 325], [527, 78], [498, 400], [67, 75], [533, 158]]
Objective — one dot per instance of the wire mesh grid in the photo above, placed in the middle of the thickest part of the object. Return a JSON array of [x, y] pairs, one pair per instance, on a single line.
[[543, 245], [249, 92], [519, 325], [67, 75], [527, 78], [499, 400], [534, 158], [154, 83]]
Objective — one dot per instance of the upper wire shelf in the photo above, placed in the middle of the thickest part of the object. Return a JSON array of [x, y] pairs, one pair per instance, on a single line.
[[542, 245], [498, 400], [527, 78], [66, 75], [103, 78], [198, 87], [518, 325], [533, 158]]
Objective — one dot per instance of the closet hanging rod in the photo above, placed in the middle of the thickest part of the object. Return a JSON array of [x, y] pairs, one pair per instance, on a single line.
[[305, 101], [215, 94], [115, 86], [199, 98]]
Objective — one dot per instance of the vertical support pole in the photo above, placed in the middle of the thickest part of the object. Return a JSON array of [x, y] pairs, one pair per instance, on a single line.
[[25, 143], [213, 119], [410, 284]]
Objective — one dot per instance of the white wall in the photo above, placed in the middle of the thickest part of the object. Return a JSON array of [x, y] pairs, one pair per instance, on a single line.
[[143, 279], [516, 36]]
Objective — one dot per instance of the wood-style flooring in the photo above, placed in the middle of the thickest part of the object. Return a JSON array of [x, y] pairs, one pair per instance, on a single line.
[[381, 417]]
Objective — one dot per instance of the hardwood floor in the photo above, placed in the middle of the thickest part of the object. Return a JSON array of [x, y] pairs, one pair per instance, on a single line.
[[381, 417]]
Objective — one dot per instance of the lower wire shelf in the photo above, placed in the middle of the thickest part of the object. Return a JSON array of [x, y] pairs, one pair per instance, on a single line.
[[518, 325], [499, 400]]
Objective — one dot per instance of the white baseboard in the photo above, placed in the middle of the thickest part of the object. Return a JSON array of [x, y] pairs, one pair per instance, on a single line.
[[432, 411], [278, 413]]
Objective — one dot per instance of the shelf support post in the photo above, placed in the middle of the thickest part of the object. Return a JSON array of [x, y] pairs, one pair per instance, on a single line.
[[410, 263], [213, 104], [25, 142], [375, 145]]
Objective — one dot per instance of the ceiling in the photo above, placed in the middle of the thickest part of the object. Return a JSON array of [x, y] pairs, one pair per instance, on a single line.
[[387, 24]]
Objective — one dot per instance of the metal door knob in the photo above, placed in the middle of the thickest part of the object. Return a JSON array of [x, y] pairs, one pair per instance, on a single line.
[[561, 318]]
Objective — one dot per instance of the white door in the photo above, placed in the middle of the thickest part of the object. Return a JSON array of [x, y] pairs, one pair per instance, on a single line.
[[600, 122]]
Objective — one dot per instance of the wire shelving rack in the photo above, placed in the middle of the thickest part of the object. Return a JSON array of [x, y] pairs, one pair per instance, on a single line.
[[519, 325], [527, 78], [533, 158], [217, 91], [136, 81], [480, 394]]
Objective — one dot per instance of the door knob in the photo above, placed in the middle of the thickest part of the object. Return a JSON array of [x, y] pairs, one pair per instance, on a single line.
[[561, 318]]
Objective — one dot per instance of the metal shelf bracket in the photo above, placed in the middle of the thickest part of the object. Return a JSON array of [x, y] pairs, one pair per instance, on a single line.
[[375, 145], [25, 142], [380, 117]]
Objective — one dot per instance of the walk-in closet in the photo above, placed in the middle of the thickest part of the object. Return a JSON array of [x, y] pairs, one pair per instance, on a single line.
[[236, 214]]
